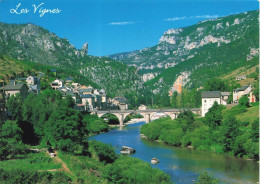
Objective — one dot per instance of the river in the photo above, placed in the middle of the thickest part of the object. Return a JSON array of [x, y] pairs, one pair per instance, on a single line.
[[182, 164]]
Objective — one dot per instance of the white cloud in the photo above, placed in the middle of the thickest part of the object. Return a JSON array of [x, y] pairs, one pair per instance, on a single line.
[[205, 16], [192, 17], [175, 18], [120, 23]]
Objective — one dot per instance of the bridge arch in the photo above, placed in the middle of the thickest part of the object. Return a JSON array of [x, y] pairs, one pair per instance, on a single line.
[[147, 114], [120, 116]]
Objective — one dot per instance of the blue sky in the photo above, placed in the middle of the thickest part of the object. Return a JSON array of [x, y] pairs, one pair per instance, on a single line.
[[114, 26]]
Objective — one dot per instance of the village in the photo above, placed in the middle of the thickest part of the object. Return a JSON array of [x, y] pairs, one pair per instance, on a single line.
[[86, 98]]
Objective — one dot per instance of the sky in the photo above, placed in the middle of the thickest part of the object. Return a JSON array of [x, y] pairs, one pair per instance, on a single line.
[[115, 26]]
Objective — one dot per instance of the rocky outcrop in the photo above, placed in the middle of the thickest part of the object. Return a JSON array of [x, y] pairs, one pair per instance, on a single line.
[[180, 82], [84, 49], [170, 36]]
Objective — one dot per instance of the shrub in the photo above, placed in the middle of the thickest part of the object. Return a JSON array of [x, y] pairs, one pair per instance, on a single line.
[[103, 151], [244, 101], [205, 178]]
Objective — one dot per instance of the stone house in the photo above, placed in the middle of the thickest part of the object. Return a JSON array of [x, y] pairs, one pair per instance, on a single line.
[[76, 85], [98, 101], [224, 98], [88, 100], [104, 99], [86, 90], [31, 80], [57, 84], [69, 80], [121, 102], [238, 93], [241, 77], [14, 88], [74, 95]]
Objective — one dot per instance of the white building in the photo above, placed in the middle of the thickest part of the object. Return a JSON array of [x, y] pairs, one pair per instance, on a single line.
[[241, 77], [238, 93], [208, 99], [88, 100], [31, 81], [224, 98], [57, 84]]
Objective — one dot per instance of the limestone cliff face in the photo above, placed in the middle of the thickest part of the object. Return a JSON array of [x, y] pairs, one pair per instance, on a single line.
[[180, 82], [170, 36], [214, 44], [84, 49], [33, 43]]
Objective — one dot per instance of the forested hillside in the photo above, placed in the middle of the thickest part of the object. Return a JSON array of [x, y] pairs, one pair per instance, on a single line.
[[31, 43], [200, 52]]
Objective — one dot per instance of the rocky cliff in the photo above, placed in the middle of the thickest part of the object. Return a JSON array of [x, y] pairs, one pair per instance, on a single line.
[[222, 44]]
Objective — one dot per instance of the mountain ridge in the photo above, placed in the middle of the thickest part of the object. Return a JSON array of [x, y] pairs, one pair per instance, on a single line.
[[29, 42], [188, 45]]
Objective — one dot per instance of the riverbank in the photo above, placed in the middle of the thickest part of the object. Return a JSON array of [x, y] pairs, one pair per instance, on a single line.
[[183, 164], [208, 134]]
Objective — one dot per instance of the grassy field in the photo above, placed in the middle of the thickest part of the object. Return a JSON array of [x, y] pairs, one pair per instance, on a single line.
[[250, 115], [245, 114], [83, 169], [240, 71], [11, 68], [31, 162]]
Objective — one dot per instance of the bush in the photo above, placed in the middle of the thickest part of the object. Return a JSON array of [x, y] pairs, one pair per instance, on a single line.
[[244, 101], [26, 177], [205, 178], [102, 151], [67, 146], [130, 170]]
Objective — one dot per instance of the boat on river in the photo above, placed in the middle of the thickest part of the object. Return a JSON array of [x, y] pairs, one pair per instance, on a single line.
[[154, 161], [127, 150]]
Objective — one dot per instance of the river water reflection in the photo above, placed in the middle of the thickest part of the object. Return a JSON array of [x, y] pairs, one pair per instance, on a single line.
[[183, 164]]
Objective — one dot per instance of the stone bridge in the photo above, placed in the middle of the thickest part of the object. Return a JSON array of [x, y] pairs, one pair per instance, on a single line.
[[147, 114]]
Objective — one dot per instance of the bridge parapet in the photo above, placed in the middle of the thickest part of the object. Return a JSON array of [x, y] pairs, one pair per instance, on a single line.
[[148, 113]]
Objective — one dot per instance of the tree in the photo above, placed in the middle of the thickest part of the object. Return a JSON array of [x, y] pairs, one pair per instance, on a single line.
[[216, 85], [13, 105], [256, 90], [174, 102], [10, 129], [186, 120], [244, 101], [10, 140], [65, 130], [255, 131], [229, 131], [213, 117]]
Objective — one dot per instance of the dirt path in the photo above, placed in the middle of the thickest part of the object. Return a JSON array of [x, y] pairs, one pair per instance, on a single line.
[[63, 164]]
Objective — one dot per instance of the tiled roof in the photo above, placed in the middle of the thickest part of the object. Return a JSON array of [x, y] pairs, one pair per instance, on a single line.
[[225, 93], [85, 90], [242, 88], [86, 96], [10, 86], [210, 94]]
